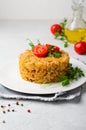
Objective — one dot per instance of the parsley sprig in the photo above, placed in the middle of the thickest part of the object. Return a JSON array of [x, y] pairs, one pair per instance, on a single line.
[[50, 53], [73, 73], [31, 44], [54, 54], [62, 36]]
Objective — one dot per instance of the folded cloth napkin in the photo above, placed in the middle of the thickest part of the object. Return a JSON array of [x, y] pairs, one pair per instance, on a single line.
[[61, 96]]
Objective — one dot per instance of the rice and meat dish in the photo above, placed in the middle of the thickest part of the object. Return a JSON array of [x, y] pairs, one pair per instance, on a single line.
[[42, 69]]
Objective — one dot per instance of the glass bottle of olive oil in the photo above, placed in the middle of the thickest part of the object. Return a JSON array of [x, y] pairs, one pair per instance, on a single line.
[[75, 29]]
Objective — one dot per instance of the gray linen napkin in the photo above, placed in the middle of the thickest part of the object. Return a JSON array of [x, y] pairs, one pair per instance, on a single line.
[[61, 96]]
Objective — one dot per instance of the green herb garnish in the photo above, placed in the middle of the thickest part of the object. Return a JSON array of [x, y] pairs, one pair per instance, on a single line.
[[50, 53], [38, 41], [62, 36], [65, 82], [65, 44], [73, 73], [31, 44], [57, 54], [63, 23]]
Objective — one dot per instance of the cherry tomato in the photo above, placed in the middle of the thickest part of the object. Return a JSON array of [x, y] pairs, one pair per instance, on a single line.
[[48, 45], [80, 47], [40, 50], [54, 48], [56, 28]]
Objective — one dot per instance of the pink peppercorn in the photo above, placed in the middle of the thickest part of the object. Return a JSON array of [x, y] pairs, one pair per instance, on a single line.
[[29, 110]]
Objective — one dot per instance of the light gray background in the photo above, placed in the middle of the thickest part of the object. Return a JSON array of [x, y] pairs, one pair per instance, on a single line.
[[69, 115], [36, 9], [13, 34]]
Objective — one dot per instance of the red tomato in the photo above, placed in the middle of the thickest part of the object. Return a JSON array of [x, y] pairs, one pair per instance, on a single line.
[[56, 28], [80, 47], [40, 50], [56, 49], [48, 45]]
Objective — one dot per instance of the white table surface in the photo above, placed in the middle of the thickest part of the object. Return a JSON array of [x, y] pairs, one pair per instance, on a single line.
[[44, 115]]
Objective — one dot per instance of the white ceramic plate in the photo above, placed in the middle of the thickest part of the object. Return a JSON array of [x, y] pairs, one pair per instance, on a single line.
[[10, 78]]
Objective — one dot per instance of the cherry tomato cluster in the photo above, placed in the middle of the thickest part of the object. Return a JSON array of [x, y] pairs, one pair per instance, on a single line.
[[79, 47], [42, 50]]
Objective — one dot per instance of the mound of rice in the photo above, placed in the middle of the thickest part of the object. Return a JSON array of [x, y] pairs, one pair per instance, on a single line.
[[42, 69]]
